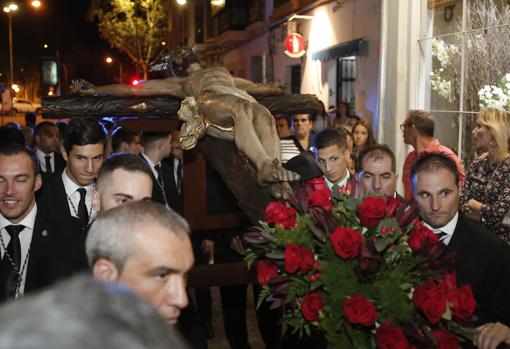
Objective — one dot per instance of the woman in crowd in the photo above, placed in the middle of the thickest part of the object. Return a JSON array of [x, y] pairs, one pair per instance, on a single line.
[[362, 136], [486, 192]]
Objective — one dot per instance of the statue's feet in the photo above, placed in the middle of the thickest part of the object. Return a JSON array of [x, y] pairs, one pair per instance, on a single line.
[[83, 87], [281, 190], [273, 172]]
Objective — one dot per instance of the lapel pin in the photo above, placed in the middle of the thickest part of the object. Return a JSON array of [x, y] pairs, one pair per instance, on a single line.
[[44, 233]]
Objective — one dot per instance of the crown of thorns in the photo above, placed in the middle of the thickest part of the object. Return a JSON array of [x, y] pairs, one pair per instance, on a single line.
[[178, 59]]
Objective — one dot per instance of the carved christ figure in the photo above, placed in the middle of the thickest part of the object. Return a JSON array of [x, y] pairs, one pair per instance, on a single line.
[[220, 105]]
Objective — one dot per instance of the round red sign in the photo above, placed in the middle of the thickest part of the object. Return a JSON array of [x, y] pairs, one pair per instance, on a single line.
[[294, 45]]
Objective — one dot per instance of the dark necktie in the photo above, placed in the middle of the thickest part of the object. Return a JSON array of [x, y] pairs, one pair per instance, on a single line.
[[48, 164], [159, 171], [178, 178], [10, 267], [441, 235], [82, 208]]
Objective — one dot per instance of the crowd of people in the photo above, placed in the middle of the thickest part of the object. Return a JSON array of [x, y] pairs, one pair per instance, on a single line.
[[109, 201]]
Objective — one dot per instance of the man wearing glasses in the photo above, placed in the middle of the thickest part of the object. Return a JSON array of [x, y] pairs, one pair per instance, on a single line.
[[418, 131]]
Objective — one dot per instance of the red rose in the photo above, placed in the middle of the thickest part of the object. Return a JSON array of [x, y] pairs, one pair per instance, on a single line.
[[346, 242], [279, 213], [430, 298], [317, 183], [298, 257], [392, 206], [321, 198], [462, 302], [450, 280], [445, 339], [371, 211], [266, 271], [359, 310], [388, 337], [419, 235], [312, 303]]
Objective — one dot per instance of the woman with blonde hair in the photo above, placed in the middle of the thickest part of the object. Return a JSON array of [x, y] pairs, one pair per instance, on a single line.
[[486, 192]]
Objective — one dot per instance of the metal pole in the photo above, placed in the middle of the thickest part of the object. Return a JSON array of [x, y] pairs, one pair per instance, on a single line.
[[11, 59]]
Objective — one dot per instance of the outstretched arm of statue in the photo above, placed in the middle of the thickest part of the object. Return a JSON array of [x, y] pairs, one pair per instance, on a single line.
[[258, 88], [162, 87]]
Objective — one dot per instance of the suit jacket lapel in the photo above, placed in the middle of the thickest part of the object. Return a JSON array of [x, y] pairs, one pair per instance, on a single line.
[[38, 247]]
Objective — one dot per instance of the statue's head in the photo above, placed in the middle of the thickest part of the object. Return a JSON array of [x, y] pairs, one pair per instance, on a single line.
[[182, 57], [177, 61]]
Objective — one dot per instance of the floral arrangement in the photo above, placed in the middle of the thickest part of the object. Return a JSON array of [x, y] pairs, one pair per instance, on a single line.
[[444, 54], [359, 271], [496, 96]]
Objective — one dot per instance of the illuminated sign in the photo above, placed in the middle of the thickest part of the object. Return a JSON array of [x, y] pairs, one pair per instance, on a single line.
[[294, 45]]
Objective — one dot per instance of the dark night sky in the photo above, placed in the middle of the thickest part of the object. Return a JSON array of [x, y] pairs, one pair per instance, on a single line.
[[62, 25]]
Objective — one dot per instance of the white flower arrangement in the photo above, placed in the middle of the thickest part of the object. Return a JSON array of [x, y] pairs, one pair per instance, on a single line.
[[496, 96], [444, 53]]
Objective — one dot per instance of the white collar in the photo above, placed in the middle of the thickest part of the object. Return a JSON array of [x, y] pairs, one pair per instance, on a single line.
[[28, 221], [449, 228], [41, 154], [341, 183], [70, 186], [151, 164]]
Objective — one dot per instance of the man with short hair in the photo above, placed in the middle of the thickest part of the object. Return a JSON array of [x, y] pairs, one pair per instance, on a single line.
[[46, 145], [378, 171], [156, 147], [81, 313], [126, 142], [301, 140], [418, 131], [122, 178], [282, 126], [481, 259], [332, 157], [67, 198], [27, 241], [145, 246]]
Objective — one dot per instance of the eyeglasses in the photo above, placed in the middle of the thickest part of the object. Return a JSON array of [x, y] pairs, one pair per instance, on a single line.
[[402, 126]]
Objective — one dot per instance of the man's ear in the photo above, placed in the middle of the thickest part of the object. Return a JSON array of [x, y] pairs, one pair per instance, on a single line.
[[38, 182], [64, 153], [96, 200], [105, 271]]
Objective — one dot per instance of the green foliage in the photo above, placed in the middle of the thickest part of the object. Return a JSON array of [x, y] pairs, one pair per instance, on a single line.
[[134, 27]]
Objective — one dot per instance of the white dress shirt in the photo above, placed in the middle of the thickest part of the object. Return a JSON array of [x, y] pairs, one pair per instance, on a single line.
[[341, 183], [73, 196], [151, 165], [41, 156], [25, 238], [449, 228]]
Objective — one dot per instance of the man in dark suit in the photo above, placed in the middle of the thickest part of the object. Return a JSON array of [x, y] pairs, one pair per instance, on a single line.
[[67, 198], [28, 244], [46, 144], [156, 147], [482, 260], [377, 172]]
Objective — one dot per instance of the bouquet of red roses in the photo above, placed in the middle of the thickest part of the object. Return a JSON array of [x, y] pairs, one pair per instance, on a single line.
[[361, 271]]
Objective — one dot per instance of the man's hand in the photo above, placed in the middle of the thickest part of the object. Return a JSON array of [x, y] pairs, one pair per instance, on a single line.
[[491, 335]]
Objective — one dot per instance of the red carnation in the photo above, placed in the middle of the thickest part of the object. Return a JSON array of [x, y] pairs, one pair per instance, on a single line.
[[317, 183], [321, 198], [371, 211], [388, 337], [279, 213], [462, 302], [445, 339], [430, 298], [346, 242], [419, 235], [266, 271], [298, 257], [359, 310], [311, 305]]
